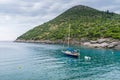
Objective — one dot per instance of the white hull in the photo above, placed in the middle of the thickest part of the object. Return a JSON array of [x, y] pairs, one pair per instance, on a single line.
[[74, 54]]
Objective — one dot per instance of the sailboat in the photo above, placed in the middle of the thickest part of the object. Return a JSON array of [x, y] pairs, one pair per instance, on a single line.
[[70, 51]]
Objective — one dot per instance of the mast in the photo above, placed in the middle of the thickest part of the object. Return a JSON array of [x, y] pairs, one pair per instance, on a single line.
[[69, 35]]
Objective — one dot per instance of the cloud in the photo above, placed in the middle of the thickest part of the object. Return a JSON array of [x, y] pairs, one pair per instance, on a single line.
[[117, 1], [18, 16], [5, 1]]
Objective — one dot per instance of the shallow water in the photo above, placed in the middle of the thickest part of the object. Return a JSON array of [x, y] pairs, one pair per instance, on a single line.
[[30, 61]]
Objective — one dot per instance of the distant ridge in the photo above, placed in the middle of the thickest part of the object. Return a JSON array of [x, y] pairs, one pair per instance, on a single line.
[[86, 22]]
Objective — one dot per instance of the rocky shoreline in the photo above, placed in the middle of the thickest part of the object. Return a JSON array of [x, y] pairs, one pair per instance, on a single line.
[[103, 43], [99, 43]]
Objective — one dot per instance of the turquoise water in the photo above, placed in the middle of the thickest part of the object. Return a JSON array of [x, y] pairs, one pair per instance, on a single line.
[[30, 61]]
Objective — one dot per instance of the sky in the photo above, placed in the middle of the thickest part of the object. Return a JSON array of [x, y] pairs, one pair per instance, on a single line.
[[19, 16]]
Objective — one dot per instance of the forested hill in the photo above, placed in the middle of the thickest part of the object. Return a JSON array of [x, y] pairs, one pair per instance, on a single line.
[[85, 22]]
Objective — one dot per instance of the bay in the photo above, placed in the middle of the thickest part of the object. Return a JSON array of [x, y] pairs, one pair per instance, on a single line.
[[35, 61]]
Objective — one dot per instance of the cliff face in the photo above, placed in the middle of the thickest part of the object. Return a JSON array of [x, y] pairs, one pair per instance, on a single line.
[[85, 22]]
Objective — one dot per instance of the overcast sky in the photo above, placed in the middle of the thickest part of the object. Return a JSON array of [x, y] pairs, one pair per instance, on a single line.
[[18, 16]]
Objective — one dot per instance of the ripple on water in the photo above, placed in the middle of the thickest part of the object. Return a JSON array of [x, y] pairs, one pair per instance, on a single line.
[[29, 61]]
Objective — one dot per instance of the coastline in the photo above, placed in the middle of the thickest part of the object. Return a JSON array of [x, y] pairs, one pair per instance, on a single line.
[[106, 43]]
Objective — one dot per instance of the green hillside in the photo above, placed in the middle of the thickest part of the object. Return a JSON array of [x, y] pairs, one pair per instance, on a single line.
[[85, 22]]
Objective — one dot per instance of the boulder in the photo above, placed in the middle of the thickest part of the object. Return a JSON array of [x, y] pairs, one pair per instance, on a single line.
[[117, 47], [86, 44], [93, 42], [101, 40], [104, 45], [112, 45]]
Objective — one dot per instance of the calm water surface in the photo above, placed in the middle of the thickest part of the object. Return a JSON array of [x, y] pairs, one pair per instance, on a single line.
[[29, 61]]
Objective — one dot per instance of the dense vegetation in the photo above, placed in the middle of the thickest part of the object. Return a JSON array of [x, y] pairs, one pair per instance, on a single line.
[[85, 22]]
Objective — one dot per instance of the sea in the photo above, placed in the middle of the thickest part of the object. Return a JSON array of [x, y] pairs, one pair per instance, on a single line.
[[35, 61]]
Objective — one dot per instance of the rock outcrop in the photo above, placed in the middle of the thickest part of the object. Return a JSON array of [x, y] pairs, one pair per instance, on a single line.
[[103, 43]]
